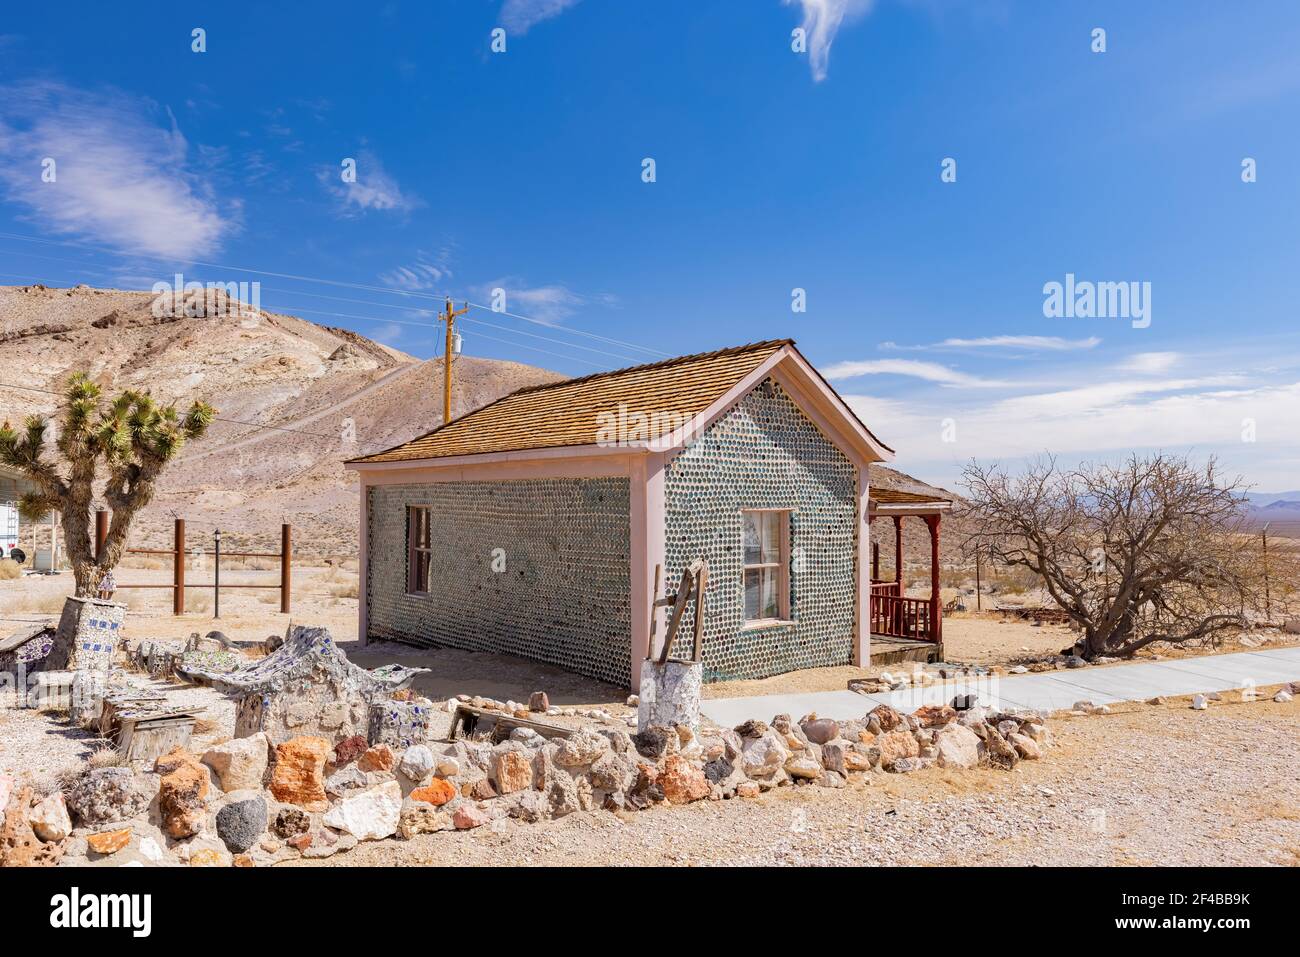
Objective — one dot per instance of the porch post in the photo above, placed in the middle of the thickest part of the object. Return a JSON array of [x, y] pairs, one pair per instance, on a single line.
[[898, 553], [936, 611]]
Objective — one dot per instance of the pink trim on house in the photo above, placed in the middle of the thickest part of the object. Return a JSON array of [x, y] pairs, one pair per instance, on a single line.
[[644, 463]]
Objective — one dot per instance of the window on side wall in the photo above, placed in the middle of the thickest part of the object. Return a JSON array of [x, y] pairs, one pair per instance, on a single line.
[[419, 549], [765, 541]]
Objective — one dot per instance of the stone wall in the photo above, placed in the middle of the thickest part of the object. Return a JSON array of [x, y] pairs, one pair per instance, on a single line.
[[765, 453], [562, 596]]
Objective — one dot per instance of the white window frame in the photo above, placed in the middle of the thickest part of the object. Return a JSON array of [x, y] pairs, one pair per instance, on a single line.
[[781, 566]]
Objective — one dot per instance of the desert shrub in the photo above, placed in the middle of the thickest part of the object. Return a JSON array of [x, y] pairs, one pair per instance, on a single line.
[[10, 569]]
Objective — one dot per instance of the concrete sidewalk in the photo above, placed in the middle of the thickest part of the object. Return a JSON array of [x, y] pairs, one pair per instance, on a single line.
[[1046, 691]]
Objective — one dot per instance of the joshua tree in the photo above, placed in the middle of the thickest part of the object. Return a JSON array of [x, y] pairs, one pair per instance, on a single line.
[[1153, 549], [133, 435]]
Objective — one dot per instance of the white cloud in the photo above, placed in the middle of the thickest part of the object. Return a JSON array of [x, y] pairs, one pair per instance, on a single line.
[[1031, 343], [822, 20], [428, 272], [519, 16], [549, 303], [1152, 363], [122, 176], [1108, 419], [929, 371], [373, 188]]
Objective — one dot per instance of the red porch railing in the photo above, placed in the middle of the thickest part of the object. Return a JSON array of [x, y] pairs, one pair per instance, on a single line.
[[901, 617]]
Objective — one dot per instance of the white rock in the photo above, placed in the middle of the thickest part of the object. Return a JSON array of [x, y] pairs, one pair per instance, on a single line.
[[50, 819], [1200, 703], [150, 849], [633, 701], [416, 763], [957, 746], [763, 756], [1019, 670], [447, 767], [240, 763], [370, 816], [1282, 697]]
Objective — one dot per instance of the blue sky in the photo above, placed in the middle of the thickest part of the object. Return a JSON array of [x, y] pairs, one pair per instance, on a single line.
[[775, 170]]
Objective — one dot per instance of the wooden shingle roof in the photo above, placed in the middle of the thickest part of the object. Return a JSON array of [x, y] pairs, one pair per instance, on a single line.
[[572, 412]]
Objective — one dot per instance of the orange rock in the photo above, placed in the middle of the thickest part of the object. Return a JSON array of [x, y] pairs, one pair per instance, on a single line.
[[866, 737], [935, 715], [378, 758], [681, 781], [299, 776], [109, 842], [514, 772], [243, 860], [300, 841], [182, 793], [895, 745], [207, 857], [19, 845], [438, 792]]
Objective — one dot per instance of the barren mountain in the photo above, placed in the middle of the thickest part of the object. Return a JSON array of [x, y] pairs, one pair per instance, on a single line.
[[294, 399], [321, 394]]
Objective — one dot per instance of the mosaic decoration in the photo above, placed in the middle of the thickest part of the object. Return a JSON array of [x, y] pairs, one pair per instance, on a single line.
[[562, 596], [765, 453], [89, 633], [399, 723], [306, 686]]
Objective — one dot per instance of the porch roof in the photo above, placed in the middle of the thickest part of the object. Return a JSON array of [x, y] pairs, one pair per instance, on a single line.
[[888, 501]]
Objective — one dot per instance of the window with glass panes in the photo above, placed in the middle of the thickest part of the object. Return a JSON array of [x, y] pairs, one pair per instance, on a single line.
[[765, 537], [419, 548]]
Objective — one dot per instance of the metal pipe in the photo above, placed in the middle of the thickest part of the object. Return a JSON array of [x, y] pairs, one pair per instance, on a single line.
[[286, 573], [216, 574], [178, 568]]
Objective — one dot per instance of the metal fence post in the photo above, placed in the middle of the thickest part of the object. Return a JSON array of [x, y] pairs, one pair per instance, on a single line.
[[286, 561], [101, 535], [216, 574], [178, 568]]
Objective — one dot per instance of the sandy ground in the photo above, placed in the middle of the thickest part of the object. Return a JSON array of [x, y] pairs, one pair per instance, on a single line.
[[1144, 784], [1159, 785]]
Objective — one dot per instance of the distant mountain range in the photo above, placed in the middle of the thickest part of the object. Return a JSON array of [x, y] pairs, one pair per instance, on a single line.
[[1263, 499], [1280, 511]]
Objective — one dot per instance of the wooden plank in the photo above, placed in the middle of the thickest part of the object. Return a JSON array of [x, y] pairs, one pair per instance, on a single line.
[[679, 609], [466, 719]]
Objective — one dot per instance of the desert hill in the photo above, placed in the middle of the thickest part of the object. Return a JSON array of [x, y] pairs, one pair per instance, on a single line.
[[341, 393], [330, 393]]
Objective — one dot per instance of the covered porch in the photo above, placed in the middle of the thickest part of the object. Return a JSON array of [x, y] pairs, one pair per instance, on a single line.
[[905, 628]]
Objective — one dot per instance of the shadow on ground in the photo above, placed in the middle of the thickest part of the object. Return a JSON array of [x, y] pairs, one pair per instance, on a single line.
[[504, 677]]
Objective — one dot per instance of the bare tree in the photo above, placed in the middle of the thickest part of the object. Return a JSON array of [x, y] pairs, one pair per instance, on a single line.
[[1150, 550], [132, 435]]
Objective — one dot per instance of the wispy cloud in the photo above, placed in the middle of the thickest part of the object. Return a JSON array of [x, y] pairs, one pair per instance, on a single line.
[[552, 303], [929, 371], [1022, 343], [122, 171], [519, 16], [373, 188], [1151, 363], [822, 20], [428, 272]]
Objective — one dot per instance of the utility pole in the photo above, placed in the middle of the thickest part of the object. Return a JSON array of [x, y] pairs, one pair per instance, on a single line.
[[449, 317], [1268, 599]]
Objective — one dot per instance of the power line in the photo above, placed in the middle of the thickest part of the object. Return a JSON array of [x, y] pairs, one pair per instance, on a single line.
[[408, 293], [367, 302], [218, 418]]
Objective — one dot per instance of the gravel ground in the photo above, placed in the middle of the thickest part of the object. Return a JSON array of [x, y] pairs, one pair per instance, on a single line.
[[1160, 785]]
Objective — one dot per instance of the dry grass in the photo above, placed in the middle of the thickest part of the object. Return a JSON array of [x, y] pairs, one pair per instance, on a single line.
[[105, 756], [38, 604], [10, 569]]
